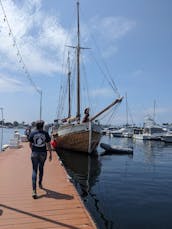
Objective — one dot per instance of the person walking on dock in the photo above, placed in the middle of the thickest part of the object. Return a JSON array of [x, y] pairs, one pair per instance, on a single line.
[[39, 142], [27, 132]]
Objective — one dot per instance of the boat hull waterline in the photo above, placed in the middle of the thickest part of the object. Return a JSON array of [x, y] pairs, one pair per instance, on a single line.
[[77, 137]]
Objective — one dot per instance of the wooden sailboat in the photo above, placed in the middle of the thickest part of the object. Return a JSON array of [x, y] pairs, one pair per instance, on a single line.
[[75, 134]]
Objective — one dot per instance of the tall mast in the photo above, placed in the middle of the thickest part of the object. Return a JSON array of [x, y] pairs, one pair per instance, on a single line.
[[69, 94], [78, 65], [154, 107], [126, 109]]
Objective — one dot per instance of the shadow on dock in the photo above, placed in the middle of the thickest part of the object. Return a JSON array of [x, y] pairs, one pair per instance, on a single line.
[[54, 195], [38, 217]]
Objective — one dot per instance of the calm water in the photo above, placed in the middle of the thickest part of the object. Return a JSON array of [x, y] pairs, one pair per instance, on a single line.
[[126, 191]]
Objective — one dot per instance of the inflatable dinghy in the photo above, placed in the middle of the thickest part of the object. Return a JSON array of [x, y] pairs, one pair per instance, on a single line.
[[114, 149]]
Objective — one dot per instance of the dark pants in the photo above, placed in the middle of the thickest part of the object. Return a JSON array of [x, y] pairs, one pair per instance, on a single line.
[[38, 160]]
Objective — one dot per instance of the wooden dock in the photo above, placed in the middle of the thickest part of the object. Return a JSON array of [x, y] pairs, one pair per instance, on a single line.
[[58, 205]]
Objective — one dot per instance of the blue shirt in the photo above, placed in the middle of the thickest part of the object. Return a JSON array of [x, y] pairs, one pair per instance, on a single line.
[[39, 138]]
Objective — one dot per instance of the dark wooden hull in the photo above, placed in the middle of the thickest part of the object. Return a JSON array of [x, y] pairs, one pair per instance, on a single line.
[[76, 138]]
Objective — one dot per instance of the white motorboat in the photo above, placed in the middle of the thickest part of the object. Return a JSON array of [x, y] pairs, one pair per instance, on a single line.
[[167, 137], [150, 131], [118, 133]]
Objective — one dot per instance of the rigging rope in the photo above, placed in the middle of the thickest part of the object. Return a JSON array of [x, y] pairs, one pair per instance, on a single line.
[[62, 98], [86, 86], [60, 103], [110, 80], [130, 114], [109, 115], [107, 75], [19, 55]]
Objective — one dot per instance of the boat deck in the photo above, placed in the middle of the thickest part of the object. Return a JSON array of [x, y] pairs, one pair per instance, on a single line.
[[58, 205]]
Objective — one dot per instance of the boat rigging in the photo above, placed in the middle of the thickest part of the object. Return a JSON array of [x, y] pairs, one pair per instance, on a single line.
[[72, 133]]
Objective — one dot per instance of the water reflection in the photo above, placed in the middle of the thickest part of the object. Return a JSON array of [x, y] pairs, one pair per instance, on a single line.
[[109, 185], [84, 169], [151, 150]]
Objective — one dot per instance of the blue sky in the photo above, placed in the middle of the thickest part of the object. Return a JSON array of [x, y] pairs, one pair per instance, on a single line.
[[131, 38]]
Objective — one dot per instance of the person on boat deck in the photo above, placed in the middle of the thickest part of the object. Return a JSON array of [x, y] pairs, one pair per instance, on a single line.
[[39, 142], [86, 117]]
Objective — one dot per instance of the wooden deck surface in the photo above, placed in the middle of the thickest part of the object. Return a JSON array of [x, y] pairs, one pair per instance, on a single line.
[[58, 204]]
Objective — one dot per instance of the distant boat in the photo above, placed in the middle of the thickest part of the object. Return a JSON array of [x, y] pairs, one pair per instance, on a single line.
[[73, 133], [128, 132], [105, 131], [167, 137], [150, 131], [108, 130], [128, 129], [4, 147], [114, 149], [138, 133], [153, 133], [118, 133]]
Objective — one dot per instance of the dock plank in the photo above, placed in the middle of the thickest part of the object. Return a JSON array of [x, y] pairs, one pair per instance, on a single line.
[[58, 205]]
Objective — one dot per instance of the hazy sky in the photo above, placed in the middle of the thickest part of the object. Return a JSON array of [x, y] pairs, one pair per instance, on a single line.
[[130, 38]]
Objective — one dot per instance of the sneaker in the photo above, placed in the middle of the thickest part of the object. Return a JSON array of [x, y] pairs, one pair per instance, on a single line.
[[34, 195]]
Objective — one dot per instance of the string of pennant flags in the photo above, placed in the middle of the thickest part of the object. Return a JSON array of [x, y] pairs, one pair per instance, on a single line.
[[18, 53]]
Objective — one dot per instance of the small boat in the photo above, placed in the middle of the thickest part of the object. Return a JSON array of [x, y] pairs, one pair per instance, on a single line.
[[114, 149], [4, 147], [118, 133], [167, 137]]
